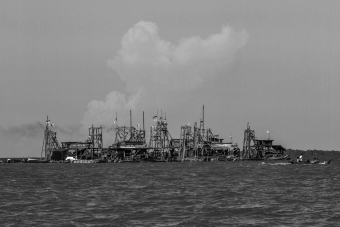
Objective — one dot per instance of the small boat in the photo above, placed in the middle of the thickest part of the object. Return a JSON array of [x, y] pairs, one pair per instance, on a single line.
[[325, 162], [70, 159], [275, 163], [222, 158], [232, 158], [278, 158], [101, 161], [33, 160], [82, 161], [12, 160], [313, 162]]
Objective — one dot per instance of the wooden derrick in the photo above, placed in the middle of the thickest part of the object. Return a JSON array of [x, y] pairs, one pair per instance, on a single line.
[[187, 143], [260, 149], [125, 133], [250, 148], [159, 143], [129, 142], [197, 142], [50, 141], [96, 139]]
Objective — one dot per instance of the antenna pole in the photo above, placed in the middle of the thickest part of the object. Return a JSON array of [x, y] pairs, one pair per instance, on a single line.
[[46, 138], [203, 117], [130, 123]]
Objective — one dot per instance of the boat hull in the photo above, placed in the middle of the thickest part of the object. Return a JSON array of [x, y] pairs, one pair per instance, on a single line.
[[311, 163], [37, 161]]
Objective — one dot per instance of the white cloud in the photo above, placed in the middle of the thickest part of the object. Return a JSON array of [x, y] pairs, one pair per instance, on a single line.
[[104, 112], [156, 71]]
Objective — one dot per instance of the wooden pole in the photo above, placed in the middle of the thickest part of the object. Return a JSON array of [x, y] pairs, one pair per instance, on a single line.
[[143, 122], [203, 117], [130, 124]]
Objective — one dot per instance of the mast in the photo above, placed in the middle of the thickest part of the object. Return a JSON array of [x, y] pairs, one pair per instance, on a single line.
[[195, 140], [183, 151], [116, 123], [143, 122], [203, 117], [46, 138], [130, 123], [50, 142], [202, 131]]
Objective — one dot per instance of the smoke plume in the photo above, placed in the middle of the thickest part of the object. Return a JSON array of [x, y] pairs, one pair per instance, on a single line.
[[36, 130], [29, 130]]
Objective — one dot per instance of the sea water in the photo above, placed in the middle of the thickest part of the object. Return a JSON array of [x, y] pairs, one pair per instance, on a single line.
[[241, 193]]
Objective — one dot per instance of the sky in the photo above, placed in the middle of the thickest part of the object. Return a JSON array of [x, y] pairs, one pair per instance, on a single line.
[[274, 64]]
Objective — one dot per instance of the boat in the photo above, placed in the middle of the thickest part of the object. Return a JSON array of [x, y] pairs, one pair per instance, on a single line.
[[313, 162], [12, 160], [33, 160], [232, 158], [278, 158], [102, 160], [222, 158], [325, 162], [82, 161], [70, 159]]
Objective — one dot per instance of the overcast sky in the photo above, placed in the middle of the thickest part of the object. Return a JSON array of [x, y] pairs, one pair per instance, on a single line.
[[274, 64]]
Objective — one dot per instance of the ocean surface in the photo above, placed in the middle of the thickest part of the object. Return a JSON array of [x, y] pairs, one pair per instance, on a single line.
[[248, 193]]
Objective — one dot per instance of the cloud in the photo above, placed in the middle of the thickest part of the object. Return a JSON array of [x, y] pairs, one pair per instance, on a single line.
[[104, 112], [156, 70]]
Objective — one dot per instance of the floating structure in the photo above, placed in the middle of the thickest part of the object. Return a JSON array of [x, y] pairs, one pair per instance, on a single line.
[[195, 143], [130, 144], [198, 143], [90, 149], [255, 149]]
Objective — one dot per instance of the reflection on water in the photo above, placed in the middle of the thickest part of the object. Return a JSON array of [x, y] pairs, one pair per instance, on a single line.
[[169, 194]]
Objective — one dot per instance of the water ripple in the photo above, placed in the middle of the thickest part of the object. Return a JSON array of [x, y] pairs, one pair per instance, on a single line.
[[169, 194]]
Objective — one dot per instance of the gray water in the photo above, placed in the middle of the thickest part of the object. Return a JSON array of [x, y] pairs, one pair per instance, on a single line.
[[170, 194]]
